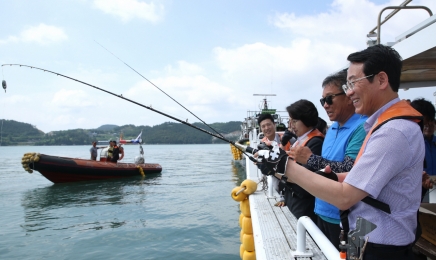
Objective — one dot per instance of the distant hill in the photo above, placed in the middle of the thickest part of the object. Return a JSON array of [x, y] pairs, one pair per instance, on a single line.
[[18, 133], [106, 127]]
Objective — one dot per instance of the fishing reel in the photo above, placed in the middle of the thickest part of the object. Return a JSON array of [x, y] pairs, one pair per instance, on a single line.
[[355, 243], [271, 158]]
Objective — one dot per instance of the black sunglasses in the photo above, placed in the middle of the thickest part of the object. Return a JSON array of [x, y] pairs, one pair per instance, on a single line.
[[329, 99]]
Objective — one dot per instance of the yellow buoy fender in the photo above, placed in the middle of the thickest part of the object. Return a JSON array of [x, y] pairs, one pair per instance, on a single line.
[[249, 255], [241, 196], [247, 226], [241, 216], [250, 186], [245, 208], [241, 251], [241, 236], [29, 158], [248, 242]]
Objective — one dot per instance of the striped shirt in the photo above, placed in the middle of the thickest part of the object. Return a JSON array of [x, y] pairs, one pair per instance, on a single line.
[[390, 170]]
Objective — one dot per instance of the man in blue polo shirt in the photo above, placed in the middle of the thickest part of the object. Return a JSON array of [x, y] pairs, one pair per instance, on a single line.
[[341, 146]]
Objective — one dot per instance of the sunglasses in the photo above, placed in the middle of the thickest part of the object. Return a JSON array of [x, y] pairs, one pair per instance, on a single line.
[[329, 99]]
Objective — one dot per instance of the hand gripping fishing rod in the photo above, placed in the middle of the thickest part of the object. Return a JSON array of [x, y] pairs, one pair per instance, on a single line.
[[241, 147]]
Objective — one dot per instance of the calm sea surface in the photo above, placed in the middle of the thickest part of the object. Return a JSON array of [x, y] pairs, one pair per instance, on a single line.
[[185, 212]]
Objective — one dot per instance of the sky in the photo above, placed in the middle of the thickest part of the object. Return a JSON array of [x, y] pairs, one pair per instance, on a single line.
[[209, 56]]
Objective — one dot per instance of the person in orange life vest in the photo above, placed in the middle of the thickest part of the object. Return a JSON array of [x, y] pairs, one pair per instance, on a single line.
[[427, 109], [303, 117], [389, 164], [115, 152], [268, 128], [287, 140]]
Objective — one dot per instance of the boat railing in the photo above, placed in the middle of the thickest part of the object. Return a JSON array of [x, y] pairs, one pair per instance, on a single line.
[[306, 224], [417, 28], [396, 9]]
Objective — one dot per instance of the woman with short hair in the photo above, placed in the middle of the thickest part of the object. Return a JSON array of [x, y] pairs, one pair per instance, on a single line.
[[303, 121]]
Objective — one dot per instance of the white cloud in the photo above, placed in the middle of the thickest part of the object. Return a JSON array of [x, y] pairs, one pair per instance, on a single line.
[[318, 46], [184, 68], [16, 100], [349, 21], [71, 99], [290, 60], [189, 86], [130, 9], [42, 34]]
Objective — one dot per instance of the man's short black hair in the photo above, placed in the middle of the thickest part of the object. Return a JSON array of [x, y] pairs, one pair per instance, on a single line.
[[424, 107], [263, 117], [337, 79], [380, 58], [305, 111]]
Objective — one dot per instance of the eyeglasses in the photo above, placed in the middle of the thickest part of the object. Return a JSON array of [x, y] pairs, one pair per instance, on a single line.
[[350, 84], [293, 121], [329, 99]]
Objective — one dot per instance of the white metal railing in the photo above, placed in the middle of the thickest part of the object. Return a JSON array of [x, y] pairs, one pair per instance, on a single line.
[[306, 224]]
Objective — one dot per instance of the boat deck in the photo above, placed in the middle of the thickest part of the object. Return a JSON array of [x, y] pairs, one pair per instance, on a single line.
[[274, 228]]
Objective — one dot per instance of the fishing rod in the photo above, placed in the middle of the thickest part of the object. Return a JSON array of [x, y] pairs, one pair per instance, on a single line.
[[159, 89], [239, 146]]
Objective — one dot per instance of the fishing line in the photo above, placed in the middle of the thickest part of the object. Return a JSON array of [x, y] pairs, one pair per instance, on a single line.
[[137, 103], [159, 88], [3, 119], [1, 130]]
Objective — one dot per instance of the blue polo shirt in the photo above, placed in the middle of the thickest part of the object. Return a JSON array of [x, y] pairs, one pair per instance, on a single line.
[[339, 142], [430, 155]]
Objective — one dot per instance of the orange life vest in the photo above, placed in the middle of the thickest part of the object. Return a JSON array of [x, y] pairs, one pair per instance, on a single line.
[[400, 110], [315, 132]]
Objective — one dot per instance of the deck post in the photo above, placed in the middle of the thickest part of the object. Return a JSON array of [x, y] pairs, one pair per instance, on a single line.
[[270, 187], [306, 224]]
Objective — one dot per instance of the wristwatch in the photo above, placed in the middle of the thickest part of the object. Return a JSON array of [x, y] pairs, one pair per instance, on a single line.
[[284, 179]]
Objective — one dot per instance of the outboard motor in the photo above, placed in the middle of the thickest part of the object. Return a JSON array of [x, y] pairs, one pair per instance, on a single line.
[[140, 158]]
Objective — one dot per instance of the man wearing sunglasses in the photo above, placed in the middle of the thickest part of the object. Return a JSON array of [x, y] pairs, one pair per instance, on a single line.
[[388, 167], [341, 145]]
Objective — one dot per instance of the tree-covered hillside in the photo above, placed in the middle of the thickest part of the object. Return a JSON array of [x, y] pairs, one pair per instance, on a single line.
[[17, 133], [13, 133]]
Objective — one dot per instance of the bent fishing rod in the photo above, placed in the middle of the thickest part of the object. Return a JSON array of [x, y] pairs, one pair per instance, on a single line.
[[240, 147], [159, 88]]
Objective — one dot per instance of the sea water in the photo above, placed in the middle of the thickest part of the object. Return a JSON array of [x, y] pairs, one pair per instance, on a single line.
[[185, 212]]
